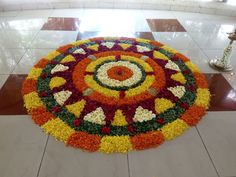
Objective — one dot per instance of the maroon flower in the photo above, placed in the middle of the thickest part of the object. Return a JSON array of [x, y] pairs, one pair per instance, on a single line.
[[44, 75], [117, 57], [53, 62], [191, 88], [174, 58], [160, 121], [43, 94], [77, 122], [106, 130], [56, 109], [131, 128], [186, 72], [185, 105]]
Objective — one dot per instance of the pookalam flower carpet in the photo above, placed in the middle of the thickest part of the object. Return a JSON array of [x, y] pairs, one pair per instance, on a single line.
[[115, 94]]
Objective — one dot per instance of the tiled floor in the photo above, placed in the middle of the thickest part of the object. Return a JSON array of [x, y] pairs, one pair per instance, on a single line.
[[208, 150]]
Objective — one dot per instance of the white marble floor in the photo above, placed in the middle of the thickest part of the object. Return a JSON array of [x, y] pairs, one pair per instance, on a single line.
[[208, 150]]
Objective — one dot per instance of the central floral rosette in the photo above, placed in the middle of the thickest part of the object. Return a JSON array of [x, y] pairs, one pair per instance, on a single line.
[[119, 78], [119, 75]]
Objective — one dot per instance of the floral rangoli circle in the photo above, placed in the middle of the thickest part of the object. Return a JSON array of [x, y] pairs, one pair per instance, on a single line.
[[115, 94]]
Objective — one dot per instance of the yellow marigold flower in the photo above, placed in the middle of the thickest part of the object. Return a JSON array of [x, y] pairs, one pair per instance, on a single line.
[[142, 88], [93, 84], [174, 129], [68, 58], [162, 104], [93, 47], [168, 49], [145, 65], [34, 73], [56, 82], [125, 46], [91, 67], [52, 55], [76, 108], [143, 40], [179, 77], [119, 119], [110, 144], [58, 129], [192, 67], [32, 100], [76, 43], [203, 97], [159, 55]]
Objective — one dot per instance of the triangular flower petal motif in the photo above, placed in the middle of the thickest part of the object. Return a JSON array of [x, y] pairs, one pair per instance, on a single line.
[[109, 45], [59, 68], [67, 59], [159, 55], [178, 91], [119, 119], [93, 47], [97, 116], [125, 46], [142, 114], [143, 48], [56, 82], [79, 51], [172, 65], [76, 108], [179, 77], [162, 104], [62, 96]]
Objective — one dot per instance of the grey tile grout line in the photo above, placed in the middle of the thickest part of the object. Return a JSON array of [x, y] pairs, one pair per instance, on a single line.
[[25, 50], [207, 152], [128, 164], [40, 165]]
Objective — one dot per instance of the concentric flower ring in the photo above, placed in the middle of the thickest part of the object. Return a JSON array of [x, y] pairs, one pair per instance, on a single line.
[[115, 94]]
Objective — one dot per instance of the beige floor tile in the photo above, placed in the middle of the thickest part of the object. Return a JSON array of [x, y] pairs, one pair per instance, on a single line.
[[30, 58], [219, 135], [9, 59], [182, 157], [3, 79], [21, 147], [62, 161]]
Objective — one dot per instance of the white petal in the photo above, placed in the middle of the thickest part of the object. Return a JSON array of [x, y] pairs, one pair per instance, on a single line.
[[80, 51], [108, 44], [142, 114], [97, 116], [178, 91], [142, 48], [59, 68], [172, 65], [62, 96]]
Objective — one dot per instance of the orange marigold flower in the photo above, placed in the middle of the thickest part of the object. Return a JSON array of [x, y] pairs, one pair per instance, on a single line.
[[147, 140], [155, 43], [201, 80], [29, 85], [41, 64], [120, 73], [193, 115], [64, 48], [40, 115], [182, 57], [84, 141]]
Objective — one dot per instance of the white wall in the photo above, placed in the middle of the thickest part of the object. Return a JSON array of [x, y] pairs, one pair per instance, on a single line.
[[202, 6]]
